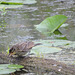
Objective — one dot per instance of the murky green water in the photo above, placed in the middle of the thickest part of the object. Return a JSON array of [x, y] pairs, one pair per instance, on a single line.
[[20, 22]]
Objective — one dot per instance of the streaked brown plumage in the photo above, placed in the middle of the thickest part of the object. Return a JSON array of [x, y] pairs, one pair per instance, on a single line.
[[22, 48]]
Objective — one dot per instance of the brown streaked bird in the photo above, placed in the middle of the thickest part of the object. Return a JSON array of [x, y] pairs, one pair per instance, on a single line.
[[22, 48]]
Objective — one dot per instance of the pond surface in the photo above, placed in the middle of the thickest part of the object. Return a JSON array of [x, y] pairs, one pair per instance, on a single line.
[[20, 21]]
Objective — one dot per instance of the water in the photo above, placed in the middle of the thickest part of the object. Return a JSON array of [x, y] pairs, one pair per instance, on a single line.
[[20, 22]]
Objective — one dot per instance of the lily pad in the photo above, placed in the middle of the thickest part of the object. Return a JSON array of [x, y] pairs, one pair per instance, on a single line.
[[15, 66], [17, 2], [43, 49], [11, 3], [62, 43], [3, 66], [9, 6], [9, 68], [55, 42], [51, 46], [50, 24], [7, 71]]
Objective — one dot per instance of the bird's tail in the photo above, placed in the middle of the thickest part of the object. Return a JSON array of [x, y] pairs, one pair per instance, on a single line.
[[38, 44]]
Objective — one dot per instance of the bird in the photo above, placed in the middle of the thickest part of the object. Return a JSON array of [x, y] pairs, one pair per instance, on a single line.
[[22, 48]]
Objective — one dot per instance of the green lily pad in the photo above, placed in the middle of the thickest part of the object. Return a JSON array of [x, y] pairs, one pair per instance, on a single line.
[[11, 3], [9, 6], [15, 66], [43, 49], [9, 68], [7, 71], [3, 66], [50, 24], [17, 2], [52, 46]]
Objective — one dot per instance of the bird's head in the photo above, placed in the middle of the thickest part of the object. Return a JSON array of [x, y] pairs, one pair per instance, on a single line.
[[12, 52]]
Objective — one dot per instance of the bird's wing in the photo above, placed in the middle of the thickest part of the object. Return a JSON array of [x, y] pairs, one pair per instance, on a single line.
[[22, 46], [29, 45], [25, 46]]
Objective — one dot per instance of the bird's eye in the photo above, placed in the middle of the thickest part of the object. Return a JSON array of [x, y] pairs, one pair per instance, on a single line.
[[11, 50]]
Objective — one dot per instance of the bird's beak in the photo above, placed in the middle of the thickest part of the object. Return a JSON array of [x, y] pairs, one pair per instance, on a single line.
[[10, 54]]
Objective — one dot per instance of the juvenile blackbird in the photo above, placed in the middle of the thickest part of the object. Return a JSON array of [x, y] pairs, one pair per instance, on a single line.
[[22, 48]]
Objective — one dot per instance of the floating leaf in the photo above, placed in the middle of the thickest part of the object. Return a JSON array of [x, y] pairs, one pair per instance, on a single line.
[[9, 68], [3, 66], [7, 71], [11, 3], [10, 6], [50, 24], [15, 66], [56, 42], [51, 46], [43, 49], [17, 2]]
